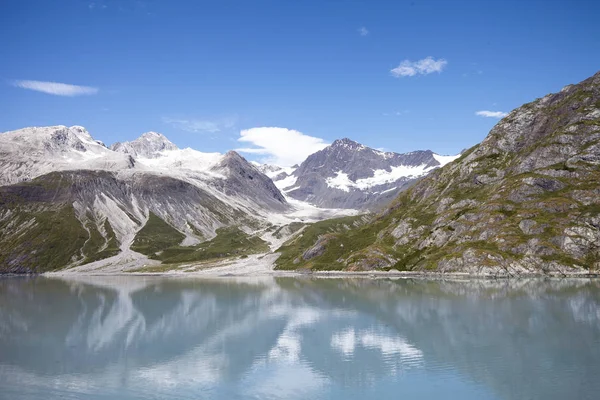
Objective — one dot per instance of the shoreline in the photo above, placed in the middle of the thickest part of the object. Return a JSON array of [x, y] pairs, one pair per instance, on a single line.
[[321, 274], [263, 265]]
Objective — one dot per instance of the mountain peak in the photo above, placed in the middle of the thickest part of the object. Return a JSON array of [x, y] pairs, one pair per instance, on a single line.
[[348, 144], [348, 174], [57, 138], [233, 154], [151, 135], [148, 145]]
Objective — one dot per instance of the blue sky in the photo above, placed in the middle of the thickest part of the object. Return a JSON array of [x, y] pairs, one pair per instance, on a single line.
[[202, 71]]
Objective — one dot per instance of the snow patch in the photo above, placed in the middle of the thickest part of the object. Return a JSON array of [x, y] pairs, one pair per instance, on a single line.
[[380, 177], [286, 182], [183, 159], [443, 160], [389, 190], [291, 189], [278, 170], [340, 181]]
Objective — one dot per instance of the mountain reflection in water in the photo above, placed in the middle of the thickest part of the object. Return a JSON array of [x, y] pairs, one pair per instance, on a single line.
[[151, 337]]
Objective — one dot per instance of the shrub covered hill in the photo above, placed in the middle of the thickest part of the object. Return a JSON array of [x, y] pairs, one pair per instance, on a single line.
[[525, 200]]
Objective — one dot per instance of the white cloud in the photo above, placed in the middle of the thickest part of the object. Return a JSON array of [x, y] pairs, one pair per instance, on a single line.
[[98, 4], [491, 114], [363, 31], [55, 88], [280, 146], [422, 67], [200, 125], [396, 113]]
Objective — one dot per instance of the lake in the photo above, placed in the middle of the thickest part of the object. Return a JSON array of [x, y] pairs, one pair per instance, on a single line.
[[298, 338]]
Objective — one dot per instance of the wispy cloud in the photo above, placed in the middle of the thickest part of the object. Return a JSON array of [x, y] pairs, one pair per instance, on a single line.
[[491, 114], [362, 31], [280, 146], [421, 67], [201, 125], [396, 113], [56, 88], [92, 5]]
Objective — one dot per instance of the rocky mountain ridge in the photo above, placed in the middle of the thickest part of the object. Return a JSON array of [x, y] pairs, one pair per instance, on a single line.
[[525, 200], [31, 152], [347, 174]]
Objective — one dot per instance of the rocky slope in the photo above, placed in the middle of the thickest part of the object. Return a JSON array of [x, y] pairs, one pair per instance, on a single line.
[[245, 181], [66, 199], [525, 200], [347, 174]]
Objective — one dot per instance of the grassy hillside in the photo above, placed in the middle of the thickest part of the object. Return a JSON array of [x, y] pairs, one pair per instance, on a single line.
[[155, 236], [41, 232], [159, 241]]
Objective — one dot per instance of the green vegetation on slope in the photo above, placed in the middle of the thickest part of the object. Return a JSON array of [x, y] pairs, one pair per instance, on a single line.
[[328, 231], [527, 199], [229, 242], [97, 247], [53, 239], [156, 236], [160, 241], [40, 230]]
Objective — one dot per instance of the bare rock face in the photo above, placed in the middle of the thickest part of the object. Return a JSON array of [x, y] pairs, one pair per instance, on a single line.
[[318, 248], [245, 180], [530, 227], [525, 200]]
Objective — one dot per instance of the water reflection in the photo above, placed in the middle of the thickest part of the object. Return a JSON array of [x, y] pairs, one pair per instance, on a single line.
[[296, 338]]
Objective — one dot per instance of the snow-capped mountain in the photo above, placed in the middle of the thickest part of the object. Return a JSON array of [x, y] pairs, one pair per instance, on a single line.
[[229, 174], [61, 188], [282, 176], [75, 201], [347, 174], [31, 152], [149, 145]]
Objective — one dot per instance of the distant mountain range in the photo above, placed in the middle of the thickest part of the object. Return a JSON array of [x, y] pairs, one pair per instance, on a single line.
[[62, 189], [525, 200], [347, 174]]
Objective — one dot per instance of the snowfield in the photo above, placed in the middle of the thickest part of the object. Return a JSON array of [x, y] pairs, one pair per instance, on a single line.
[[341, 180]]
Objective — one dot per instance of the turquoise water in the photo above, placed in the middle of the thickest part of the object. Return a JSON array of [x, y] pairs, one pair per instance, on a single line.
[[298, 338]]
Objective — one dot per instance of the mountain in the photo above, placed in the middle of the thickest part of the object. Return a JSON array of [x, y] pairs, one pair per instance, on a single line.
[[228, 174], [30, 152], [347, 174], [525, 200], [67, 200], [246, 181], [275, 172], [149, 145]]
